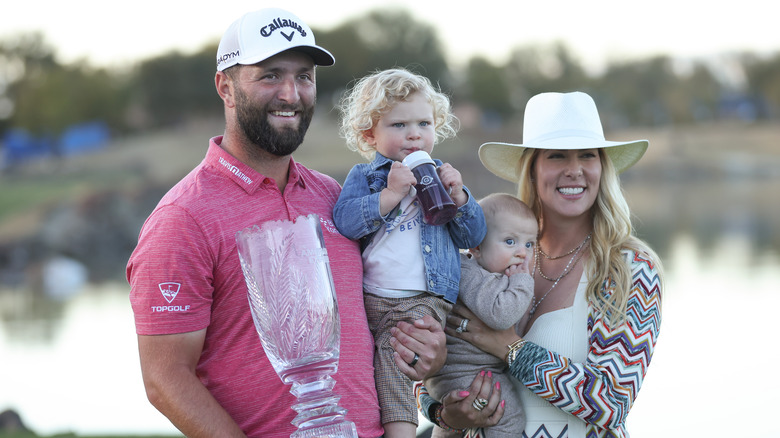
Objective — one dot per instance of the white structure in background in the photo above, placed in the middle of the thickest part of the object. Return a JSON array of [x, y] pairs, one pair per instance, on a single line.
[[63, 278]]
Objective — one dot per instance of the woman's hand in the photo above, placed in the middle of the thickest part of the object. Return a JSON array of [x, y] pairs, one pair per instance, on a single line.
[[459, 411], [495, 342], [424, 340]]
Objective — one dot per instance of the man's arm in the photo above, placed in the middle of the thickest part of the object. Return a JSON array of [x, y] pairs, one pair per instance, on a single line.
[[168, 365]]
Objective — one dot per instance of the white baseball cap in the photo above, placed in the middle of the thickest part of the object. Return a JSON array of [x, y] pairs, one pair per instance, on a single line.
[[259, 35]]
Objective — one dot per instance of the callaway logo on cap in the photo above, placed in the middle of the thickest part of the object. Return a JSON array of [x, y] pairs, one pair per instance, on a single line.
[[259, 35]]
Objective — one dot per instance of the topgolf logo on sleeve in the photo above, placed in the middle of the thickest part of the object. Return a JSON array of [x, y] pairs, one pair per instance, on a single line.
[[169, 291]]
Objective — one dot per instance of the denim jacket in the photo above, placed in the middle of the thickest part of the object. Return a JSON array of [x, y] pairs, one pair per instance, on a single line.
[[357, 216]]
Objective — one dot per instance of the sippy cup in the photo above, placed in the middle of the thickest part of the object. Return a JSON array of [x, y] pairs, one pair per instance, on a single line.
[[436, 204]]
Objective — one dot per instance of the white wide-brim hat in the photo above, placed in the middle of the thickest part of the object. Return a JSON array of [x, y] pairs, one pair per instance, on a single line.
[[559, 121]]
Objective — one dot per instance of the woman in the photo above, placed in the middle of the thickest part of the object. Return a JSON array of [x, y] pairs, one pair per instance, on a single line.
[[593, 324]]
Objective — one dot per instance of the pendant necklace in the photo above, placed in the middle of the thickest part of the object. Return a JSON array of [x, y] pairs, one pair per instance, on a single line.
[[569, 266]]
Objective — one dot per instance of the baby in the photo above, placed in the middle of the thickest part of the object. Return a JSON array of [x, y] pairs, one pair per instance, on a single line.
[[496, 285], [411, 268]]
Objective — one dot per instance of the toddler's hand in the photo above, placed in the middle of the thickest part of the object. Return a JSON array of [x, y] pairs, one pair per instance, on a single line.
[[399, 181], [451, 179]]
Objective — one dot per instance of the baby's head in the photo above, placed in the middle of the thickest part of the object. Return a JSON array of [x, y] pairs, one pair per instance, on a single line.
[[511, 233], [376, 94]]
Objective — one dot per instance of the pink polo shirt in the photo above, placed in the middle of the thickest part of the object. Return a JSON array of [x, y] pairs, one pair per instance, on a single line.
[[185, 275]]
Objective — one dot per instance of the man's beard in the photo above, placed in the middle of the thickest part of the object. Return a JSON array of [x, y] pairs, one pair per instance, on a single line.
[[253, 121]]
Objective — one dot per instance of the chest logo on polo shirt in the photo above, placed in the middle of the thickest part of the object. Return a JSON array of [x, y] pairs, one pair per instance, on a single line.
[[329, 225], [169, 290]]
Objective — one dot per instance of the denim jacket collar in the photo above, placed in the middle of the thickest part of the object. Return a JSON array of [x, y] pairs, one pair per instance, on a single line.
[[380, 161]]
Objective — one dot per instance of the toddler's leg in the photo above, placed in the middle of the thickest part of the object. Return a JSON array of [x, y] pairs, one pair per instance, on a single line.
[[400, 429], [394, 389]]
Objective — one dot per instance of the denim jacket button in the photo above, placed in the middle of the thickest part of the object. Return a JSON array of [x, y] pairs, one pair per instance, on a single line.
[[459, 214], [427, 248], [376, 223], [430, 283]]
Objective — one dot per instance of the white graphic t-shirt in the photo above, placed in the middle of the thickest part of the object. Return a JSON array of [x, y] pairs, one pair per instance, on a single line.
[[392, 262]]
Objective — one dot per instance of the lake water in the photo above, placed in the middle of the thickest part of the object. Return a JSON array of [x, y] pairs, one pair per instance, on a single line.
[[72, 366]]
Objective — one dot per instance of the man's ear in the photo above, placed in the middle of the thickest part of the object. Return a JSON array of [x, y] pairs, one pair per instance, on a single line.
[[225, 88]]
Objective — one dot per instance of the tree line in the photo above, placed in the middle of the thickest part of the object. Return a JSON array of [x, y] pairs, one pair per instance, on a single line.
[[44, 96]]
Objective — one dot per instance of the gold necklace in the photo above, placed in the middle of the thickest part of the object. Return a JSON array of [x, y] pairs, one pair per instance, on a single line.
[[569, 267], [549, 257], [565, 270]]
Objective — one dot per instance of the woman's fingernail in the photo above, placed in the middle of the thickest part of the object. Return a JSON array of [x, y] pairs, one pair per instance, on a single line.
[[502, 403], [490, 374], [498, 385], [463, 394], [482, 373]]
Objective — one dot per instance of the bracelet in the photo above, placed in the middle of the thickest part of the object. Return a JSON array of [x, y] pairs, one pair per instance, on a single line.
[[441, 423], [514, 348]]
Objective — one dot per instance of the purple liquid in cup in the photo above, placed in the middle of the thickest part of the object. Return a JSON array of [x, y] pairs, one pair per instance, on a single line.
[[437, 206]]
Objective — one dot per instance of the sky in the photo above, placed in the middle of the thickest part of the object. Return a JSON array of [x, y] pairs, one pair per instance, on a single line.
[[117, 33]]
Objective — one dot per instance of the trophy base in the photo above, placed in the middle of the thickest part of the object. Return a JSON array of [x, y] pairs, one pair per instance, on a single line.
[[345, 429]]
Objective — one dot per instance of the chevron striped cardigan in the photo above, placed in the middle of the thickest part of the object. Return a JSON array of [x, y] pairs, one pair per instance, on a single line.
[[602, 390]]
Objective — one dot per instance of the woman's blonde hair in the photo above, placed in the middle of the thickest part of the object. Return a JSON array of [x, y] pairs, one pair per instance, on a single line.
[[377, 93], [612, 233]]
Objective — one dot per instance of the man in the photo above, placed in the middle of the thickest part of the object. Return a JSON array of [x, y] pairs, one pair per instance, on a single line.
[[201, 358]]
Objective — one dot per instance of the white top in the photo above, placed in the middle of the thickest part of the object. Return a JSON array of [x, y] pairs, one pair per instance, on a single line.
[[564, 331], [393, 266]]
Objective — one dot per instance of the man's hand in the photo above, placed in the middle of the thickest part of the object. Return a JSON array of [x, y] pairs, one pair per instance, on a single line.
[[425, 339]]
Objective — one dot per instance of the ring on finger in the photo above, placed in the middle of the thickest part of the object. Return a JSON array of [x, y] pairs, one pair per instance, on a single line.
[[414, 360], [479, 404], [463, 327]]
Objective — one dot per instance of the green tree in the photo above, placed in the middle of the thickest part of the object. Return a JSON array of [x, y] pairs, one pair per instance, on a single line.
[[537, 69], [24, 60], [701, 91], [174, 86], [763, 80], [637, 92], [46, 97], [64, 96], [486, 87], [378, 40]]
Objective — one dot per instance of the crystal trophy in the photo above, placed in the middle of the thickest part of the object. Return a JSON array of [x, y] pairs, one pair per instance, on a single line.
[[293, 305]]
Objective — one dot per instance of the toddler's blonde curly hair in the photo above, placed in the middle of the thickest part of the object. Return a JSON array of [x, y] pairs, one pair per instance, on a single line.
[[375, 94]]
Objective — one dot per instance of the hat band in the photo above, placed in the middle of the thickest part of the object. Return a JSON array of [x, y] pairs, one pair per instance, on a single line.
[[566, 133]]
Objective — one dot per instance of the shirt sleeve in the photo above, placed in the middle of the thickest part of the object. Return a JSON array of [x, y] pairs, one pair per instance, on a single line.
[[602, 390], [468, 228], [171, 274], [356, 213], [424, 400]]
